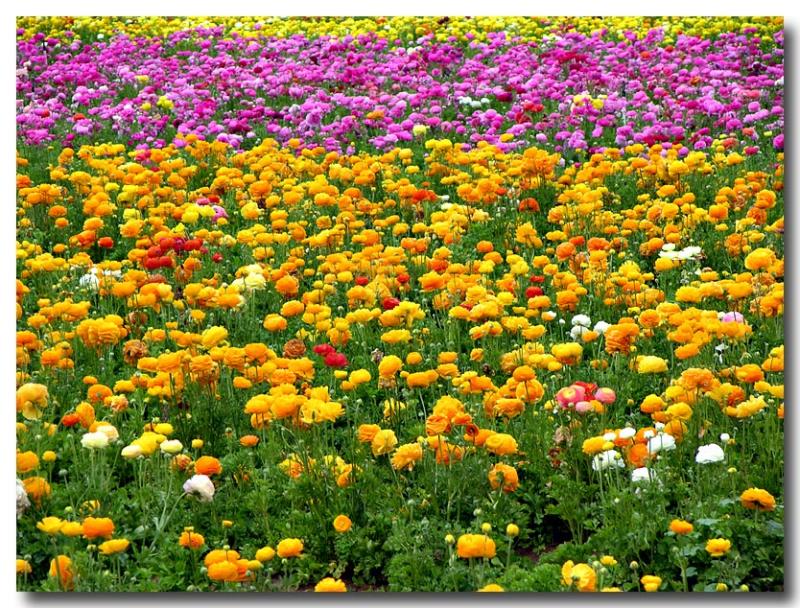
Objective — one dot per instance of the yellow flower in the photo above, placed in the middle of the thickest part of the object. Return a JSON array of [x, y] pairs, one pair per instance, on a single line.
[[265, 554], [608, 561], [651, 583], [23, 567], [717, 547], [117, 545], [50, 525], [383, 442], [330, 585], [290, 547], [31, 400], [581, 575], [491, 588], [650, 365]]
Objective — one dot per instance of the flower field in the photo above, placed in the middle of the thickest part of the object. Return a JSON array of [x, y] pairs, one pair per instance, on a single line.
[[400, 304]]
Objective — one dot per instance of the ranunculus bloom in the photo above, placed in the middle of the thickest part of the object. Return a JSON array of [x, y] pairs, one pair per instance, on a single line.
[[61, 568], [330, 585], [607, 459], [581, 575], [97, 527], [342, 523], [643, 474], [505, 475], [475, 545], [651, 365], [650, 583], [207, 465], [491, 588], [31, 400], [94, 441], [717, 547], [406, 456], [265, 554], [200, 486], [680, 526], [501, 444], [191, 540], [117, 545], [709, 453], [383, 442], [290, 547], [758, 499]]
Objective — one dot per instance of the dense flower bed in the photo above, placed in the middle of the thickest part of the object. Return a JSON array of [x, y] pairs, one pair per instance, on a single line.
[[403, 304]]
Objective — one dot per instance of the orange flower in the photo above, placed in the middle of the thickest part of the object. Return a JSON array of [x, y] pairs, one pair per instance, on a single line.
[[287, 286], [475, 545], [501, 444], [505, 475], [61, 567], [342, 523], [95, 527], [37, 488], [207, 465], [757, 499], [406, 456], [290, 547], [367, 432], [191, 540], [249, 441], [27, 461], [681, 527]]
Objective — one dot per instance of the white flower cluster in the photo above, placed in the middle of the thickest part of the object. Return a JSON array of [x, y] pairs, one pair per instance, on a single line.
[[687, 253], [91, 281]]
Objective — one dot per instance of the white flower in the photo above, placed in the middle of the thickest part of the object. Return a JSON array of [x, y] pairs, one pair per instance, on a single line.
[[94, 441], [109, 430], [601, 326], [604, 460], [200, 486], [709, 453], [659, 426], [90, 281], [22, 498], [643, 474], [171, 446], [724, 438], [627, 432], [610, 436], [577, 331], [131, 451], [660, 442], [583, 320]]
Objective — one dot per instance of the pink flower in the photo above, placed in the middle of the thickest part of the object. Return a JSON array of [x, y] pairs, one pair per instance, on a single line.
[[605, 395]]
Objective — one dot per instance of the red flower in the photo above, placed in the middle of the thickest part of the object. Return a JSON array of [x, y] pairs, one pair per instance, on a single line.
[[403, 278], [532, 292], [589, 386], [323, 350], [389, 303], [362, 281], [335, 359]]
